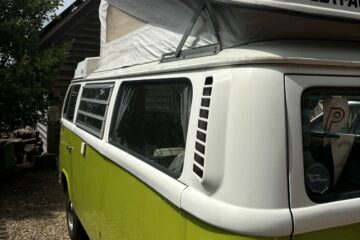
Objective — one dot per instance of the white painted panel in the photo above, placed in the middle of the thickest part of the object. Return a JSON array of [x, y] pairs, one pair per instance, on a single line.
[[246, 147], [235, 218]]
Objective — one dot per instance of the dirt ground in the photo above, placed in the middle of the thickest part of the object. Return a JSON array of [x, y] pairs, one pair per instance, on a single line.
[[32, 206]]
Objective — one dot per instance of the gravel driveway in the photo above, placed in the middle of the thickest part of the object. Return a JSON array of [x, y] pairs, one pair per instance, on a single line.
[[32, 206]]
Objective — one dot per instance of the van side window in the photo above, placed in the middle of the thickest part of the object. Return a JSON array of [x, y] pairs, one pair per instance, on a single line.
[[93, 107], [151, 122], [331, 143], [70, 102]]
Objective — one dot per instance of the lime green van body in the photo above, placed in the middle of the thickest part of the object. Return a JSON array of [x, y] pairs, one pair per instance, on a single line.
[[120, 206], [117, 205], [113, 203]]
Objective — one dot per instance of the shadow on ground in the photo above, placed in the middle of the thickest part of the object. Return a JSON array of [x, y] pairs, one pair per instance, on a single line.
[[32, 205]]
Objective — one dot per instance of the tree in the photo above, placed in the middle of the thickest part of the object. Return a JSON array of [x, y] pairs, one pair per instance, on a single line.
[[27, 72]]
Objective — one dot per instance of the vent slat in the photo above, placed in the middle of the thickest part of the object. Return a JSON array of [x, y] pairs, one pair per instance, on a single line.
[[204, 113], [209, 81], [202, 125], [201, 136], [205, 102], [199, 159], [203, 119], [198, 171], [199, 154], [199, 166], [200, 147], [200, 130], [204, 108], [207, 91]]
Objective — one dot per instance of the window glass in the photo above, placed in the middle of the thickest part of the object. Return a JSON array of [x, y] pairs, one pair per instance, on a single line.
[[96, 92], [331, 143], [90, 122], [151, 121], [93, 106], [70, 102]]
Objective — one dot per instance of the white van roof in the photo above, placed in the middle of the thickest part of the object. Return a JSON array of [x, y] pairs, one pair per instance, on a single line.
[[274, 52], [135, 32]]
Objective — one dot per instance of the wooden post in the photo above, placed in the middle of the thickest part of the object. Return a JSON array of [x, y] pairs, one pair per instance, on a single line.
[[53, 129]]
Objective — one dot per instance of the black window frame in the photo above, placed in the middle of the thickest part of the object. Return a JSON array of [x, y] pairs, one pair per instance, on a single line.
[[68, 101], [90, 129], [330, 197], [114, 118]]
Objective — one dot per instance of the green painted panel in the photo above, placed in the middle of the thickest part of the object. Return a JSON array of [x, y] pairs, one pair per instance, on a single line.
[[113, 204], [86, 184], [132, 210], [64, 153], [349, 232]]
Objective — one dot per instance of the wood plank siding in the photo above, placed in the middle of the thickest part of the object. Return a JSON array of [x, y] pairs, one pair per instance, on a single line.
[[80, 25]]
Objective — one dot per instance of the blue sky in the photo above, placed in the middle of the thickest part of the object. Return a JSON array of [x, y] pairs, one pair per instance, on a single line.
[[66, 4]]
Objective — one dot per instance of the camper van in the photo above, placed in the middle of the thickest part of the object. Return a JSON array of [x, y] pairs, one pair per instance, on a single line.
[[216, 120]]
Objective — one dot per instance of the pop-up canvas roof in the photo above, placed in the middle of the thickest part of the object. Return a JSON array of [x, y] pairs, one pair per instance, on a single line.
[[347, 9], [140, 31]]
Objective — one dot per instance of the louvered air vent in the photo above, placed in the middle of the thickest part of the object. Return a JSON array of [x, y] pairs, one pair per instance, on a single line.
[[199, 154]]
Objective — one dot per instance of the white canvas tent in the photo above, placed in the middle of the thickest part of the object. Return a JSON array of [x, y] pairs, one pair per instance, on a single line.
[[141, 31]]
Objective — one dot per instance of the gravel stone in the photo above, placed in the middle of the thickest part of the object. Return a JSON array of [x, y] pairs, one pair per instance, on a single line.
[[32, 206]]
